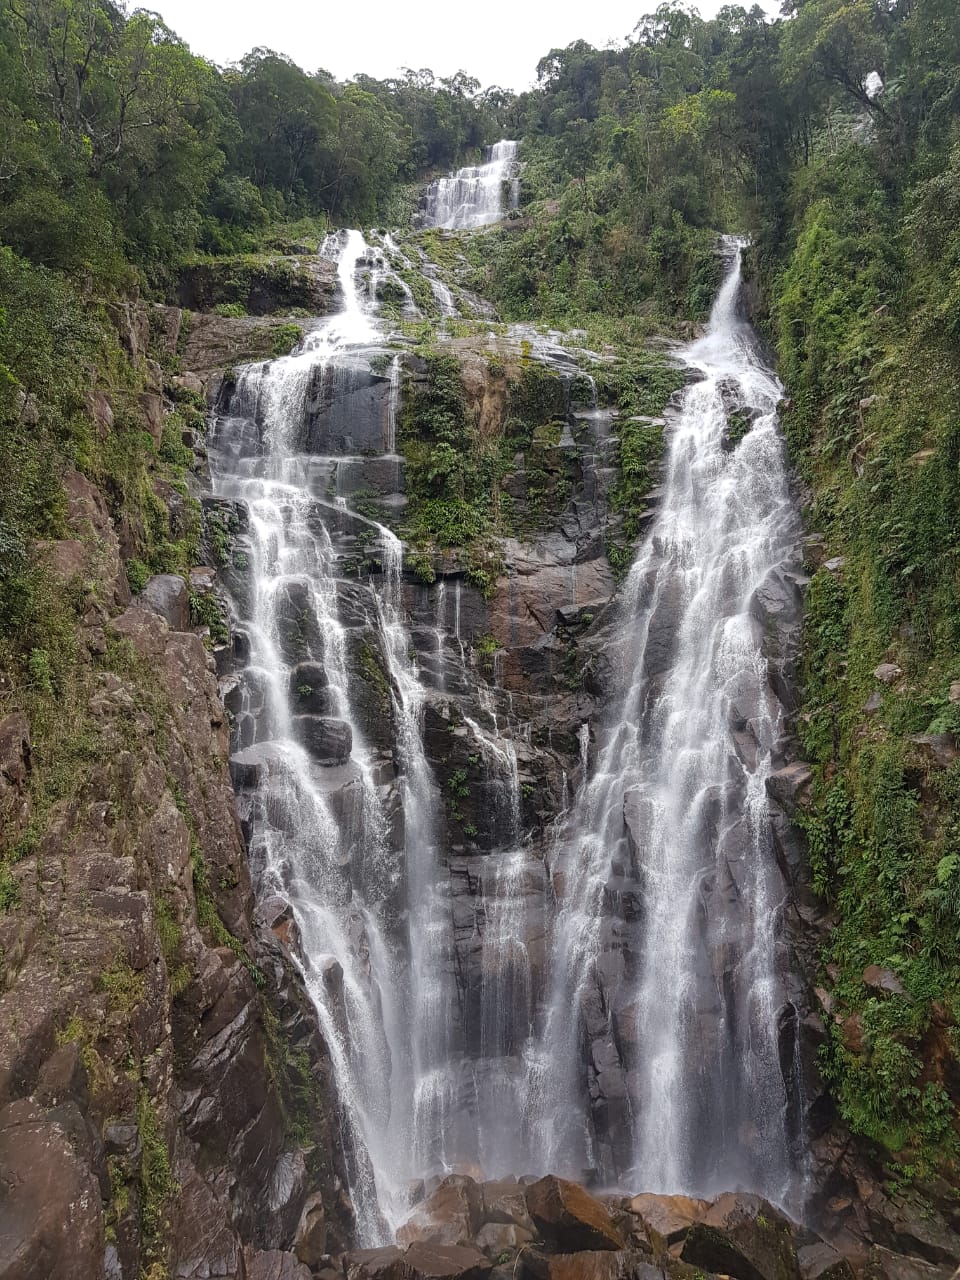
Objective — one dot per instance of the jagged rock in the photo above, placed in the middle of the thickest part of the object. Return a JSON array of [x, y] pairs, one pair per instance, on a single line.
[[669, 1217], [776, 601], [274, 1264], [506, 1202], [821, 1261], [887, 673], [310, 1242], [495, 1238], [168, 596], [790, 786], [883, 1264], [744, 1237], [424, 1261], [151, 414], [451, 1215], [328, 741], [879, 979], [570, 1218], [939, 748], [205, 1243], [591, 1265]]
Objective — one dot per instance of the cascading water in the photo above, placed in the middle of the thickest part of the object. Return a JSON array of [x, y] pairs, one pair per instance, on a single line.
[[622, 1017], [475, 196], [666, 935]]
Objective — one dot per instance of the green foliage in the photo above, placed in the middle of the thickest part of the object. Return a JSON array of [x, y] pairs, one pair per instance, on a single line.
[[156, 1181]]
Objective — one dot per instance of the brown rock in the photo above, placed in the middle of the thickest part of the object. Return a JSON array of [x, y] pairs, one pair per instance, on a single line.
[[427, 1261], [882, 980], [66, 559], [592, 1265], [571, 1219], [669, 1217], [506, 1202], [274, 1264], [744, 1237], [821, 1261], [310, 1242], [51, 1223], [370, 1264], [151, 409], [204, 1242], [450, 1215], [885, 1265], [495, 1238]]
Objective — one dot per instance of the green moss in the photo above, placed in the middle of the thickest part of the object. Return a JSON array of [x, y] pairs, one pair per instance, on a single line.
[[125, 988], [156, 1185]]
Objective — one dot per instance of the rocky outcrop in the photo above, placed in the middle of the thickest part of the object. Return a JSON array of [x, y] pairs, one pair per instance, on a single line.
[[260, 284]]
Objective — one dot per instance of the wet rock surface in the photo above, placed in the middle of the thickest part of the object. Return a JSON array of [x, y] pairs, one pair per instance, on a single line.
[[573, 1235]]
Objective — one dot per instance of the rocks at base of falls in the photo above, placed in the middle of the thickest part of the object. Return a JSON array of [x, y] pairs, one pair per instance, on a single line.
[[569, 1218], [553, 1229]]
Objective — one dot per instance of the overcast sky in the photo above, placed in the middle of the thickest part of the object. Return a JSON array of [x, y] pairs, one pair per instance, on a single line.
[[498, 41]]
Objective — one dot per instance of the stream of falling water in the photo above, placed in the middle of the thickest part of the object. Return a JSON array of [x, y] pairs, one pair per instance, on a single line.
[[653, 953], [473, 197], [676, 808]]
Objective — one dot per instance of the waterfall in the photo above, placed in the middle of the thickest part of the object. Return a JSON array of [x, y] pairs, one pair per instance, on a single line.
[[474, 197], [320, 818], [666, 934], [609, 1002]]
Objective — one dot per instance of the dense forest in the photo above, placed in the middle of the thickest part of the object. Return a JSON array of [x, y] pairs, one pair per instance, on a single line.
[[830, 136]]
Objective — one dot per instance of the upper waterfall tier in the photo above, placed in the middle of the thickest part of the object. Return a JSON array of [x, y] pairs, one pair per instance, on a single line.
[[475, 196]]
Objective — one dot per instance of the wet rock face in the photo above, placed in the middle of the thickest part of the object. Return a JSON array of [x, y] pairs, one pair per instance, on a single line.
[[141, 1077], [569, 1218]]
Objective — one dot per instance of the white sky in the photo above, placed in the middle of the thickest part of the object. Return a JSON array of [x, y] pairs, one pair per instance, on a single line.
[[498, 41]]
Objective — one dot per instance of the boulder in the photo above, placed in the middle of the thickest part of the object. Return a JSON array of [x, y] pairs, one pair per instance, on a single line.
[[821, 1261], [887, 673], [790, 786], [669, 1217], [427, 1261], [310, 1242], [570, 1219], [450, 1215], [274, 1264], [167, 595], [495, 1238], [886, 1265], [505, 1202], [742, 1236], [328, 741], [878, 979], [939, 749], [370, 1264], [591, 1265]]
